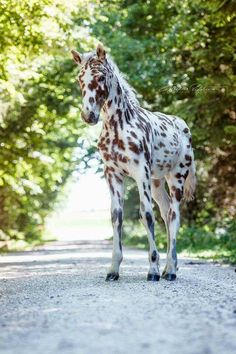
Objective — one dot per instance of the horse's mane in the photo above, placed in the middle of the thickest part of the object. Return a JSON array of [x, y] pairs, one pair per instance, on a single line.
[[129, 91]]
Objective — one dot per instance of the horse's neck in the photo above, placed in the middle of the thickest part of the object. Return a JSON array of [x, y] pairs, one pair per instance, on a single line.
[[118, 106]]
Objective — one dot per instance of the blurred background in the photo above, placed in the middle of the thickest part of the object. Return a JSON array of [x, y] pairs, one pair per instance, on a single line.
[[178, 55]]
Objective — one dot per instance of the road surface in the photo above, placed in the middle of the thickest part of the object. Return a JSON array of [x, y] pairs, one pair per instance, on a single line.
[[54, 300]]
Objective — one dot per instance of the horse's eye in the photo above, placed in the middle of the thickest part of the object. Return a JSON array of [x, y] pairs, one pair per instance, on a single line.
[[101, 79]]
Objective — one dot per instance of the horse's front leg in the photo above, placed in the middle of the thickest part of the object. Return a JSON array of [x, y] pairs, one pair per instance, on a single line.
[[116, 186], [147, 217]]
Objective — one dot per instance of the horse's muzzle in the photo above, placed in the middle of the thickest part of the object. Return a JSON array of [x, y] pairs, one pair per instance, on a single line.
[[91, 118]]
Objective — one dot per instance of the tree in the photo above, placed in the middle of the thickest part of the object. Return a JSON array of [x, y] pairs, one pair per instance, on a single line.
[[39, 118], [179, 56]]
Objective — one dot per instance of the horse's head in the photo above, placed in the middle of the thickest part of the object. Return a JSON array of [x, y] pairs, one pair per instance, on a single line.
[[93, 82]]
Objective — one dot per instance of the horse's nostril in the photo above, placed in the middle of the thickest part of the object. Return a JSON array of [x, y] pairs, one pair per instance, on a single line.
[[91, 117]]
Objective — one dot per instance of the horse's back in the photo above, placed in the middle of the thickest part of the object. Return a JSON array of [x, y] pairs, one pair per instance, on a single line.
[[172, 145], [175, 122], [179, 127]]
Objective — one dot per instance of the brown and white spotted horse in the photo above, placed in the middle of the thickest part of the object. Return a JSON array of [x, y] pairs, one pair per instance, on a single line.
[[149, 147]]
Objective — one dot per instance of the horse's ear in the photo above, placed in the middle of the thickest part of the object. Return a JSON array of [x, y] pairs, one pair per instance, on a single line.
[[76, 56], [101, 53]]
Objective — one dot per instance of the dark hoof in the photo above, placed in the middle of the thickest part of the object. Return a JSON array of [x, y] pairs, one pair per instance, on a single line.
[[168, 276], [112, 276], [153, 277]]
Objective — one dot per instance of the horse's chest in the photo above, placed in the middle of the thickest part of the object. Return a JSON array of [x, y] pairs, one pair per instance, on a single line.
[[113, 149]]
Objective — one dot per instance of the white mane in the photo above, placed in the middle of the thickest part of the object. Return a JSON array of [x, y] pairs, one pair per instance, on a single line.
[[129, 90]]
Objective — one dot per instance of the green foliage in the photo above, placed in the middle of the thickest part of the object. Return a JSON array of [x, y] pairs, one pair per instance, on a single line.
[[39, 126], [179, 55], [200, 240]]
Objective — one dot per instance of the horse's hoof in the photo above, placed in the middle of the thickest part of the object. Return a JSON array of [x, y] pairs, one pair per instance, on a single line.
[[168, 276], [112, 276], [153, 277]]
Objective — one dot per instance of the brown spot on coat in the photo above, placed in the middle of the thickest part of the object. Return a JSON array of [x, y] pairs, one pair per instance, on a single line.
[[188, 158], [109, 103], [123, 159], [93, 85], [178, 194], [134, 135], [161, 144], [119, 112], [186, 174], [118, 179], [146, 151], [133, 147], [118, 89], [156, 183], [121, 144], [101, 95]]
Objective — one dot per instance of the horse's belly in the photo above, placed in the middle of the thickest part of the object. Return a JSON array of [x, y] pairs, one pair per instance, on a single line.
[[164, 160]]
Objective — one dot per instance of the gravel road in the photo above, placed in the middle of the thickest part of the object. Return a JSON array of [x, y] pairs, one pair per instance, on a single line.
[[55, 300]]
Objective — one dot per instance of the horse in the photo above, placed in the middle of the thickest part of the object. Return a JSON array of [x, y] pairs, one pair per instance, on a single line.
[[151, 147]]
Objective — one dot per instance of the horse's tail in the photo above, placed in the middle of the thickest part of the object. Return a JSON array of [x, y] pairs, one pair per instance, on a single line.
[[190, 183]]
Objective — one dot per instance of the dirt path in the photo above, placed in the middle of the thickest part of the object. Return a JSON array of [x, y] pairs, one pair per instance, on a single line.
[[55, 300]]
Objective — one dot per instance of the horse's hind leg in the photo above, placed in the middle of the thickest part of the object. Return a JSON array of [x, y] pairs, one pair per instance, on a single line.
[[169, 213], [161, 197], [175, 183]]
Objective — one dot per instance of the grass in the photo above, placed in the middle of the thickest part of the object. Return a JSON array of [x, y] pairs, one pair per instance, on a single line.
[[194, 241]]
